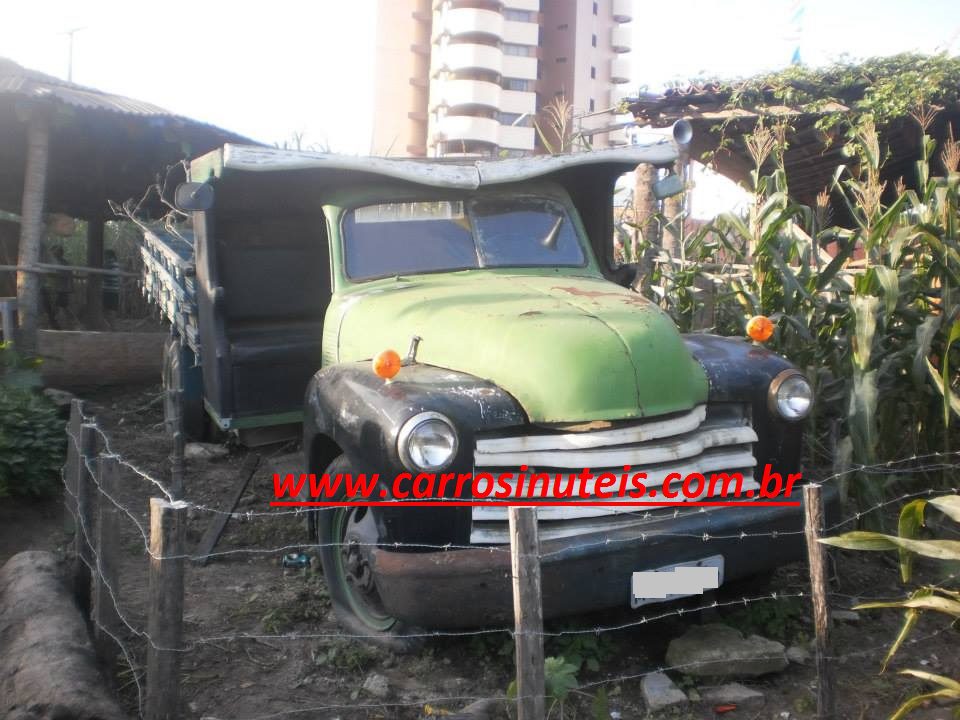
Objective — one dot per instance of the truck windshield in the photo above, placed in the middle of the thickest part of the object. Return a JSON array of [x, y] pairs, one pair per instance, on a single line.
[[421, 237]]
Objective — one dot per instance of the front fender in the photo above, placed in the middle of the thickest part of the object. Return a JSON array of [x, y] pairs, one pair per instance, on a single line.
[[738, 371], [349, 409]]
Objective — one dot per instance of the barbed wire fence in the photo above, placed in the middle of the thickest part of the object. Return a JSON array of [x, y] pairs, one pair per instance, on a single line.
[[95, 472]]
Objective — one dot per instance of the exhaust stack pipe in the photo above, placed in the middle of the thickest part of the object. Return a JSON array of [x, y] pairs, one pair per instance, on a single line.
[[682, 132]]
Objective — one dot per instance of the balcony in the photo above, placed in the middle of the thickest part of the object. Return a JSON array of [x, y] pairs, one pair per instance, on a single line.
[[516, 137], [521, 33], [471, 21], [623, 11], [621, 38], [619, 70], [517, 66], [466, 128], [455, 58], [517, 101], [458, 93]]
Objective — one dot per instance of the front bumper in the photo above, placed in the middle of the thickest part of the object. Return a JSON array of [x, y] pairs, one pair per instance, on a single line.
[[470, 588]]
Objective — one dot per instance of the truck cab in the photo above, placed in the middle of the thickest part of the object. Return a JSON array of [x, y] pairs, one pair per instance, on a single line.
[[524, 346]]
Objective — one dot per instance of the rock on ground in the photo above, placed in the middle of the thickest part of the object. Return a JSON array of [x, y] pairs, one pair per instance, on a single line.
[[660, 692], [47, 665], [719, 650], [798, 655], [740, 695], [204, 451], [377, 685]]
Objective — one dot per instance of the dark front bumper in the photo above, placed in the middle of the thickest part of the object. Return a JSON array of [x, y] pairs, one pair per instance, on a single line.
[[470, 588]]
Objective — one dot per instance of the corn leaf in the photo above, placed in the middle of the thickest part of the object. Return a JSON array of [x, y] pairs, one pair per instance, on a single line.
[[949, 505], [911, 520], [866, 540], [943, 681], [930, 602], [918, 700]]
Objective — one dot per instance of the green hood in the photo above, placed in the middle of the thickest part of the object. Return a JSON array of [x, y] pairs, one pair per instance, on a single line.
[[568, 348]]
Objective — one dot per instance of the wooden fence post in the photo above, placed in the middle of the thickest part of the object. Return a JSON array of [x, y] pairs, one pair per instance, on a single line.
[[528, 613], [106, 588], [70, 467], [176, 457], [83, 537], [165, 609], [817, 556]]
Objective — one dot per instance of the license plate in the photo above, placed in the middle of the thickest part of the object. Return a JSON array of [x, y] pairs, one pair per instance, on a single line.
[[676, 581]]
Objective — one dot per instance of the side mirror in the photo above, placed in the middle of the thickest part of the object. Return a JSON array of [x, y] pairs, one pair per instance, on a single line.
[[193, 196], [668, 186]]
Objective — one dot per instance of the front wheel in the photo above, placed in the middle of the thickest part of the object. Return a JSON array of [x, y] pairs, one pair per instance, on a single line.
[[346, 536]]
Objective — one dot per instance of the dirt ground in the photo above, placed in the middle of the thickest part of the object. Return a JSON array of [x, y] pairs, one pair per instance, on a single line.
[[297, 667]]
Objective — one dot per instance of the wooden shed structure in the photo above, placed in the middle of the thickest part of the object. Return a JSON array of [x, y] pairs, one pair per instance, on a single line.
[[69, 149], [812, 155]]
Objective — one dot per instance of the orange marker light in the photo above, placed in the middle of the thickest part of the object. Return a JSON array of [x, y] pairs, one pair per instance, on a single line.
[[386, 364], [760, 328]]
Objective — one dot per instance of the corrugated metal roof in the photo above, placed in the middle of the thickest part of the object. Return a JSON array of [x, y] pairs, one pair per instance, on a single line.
[[18, 80]]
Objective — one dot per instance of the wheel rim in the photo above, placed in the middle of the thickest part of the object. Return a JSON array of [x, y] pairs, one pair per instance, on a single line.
[[354, 531]]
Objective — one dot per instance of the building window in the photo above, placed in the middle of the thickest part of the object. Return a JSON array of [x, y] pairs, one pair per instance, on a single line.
[[515, 119], [592, 106], [593, 73], [518, 15], [561, 59], [593, 40], [518, 84], [596, 7], [520, 50]]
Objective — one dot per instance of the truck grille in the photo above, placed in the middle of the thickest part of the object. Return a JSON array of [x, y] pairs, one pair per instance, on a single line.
[[704, 440]]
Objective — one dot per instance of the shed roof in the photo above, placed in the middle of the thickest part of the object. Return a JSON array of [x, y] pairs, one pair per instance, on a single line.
[[102, 146]]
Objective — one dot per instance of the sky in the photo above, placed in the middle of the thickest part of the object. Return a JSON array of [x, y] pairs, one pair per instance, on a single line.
[[272, 70]]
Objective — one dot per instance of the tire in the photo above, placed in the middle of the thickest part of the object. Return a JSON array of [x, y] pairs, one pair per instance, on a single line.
[[344, 536], [179, 374]]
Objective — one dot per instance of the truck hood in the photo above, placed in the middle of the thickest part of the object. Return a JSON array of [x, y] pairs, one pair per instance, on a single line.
[[569, 349]]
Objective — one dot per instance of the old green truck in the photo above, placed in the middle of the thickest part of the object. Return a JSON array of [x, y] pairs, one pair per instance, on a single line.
[[525, 342]]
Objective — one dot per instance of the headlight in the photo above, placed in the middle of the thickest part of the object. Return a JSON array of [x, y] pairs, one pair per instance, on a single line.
[[427, 442], [790, 395]]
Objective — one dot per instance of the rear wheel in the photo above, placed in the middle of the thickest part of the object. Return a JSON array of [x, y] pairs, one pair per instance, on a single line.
[[346, 535], [180, 374]]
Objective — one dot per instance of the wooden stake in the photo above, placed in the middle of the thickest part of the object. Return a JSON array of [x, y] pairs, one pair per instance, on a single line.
[[71, 467], [528, 612], [85, 506], [165, 609], [817, 556], [106, 589]]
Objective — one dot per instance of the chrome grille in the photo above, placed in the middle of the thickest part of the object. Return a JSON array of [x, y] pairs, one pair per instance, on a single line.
[[718, 439]]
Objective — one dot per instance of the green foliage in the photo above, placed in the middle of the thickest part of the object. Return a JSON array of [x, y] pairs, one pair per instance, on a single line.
[[927, 598], [878, 340], [885, 88], [32, 443], [583, 650], [781, 620]]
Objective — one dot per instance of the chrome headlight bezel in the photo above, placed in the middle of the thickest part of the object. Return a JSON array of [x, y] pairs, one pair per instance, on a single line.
[[775, 401], [408, 433]]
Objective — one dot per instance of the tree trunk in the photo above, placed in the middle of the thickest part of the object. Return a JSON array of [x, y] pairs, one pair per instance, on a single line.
[[644, 207], [672, 213], [31, 229]]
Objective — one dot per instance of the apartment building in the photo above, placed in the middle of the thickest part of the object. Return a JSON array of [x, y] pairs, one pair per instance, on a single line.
[[469, 77]]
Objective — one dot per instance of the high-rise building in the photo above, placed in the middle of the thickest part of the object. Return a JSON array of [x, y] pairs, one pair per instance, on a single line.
[[470, 76]]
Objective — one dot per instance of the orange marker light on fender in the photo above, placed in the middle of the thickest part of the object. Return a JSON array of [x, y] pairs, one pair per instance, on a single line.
[[386, 364], [760, 328]]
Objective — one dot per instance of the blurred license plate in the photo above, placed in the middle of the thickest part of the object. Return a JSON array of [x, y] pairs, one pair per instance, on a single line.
[[676, 581]]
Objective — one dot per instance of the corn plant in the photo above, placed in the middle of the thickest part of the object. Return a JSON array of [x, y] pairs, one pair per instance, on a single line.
[[877, 339], [927, 598]]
